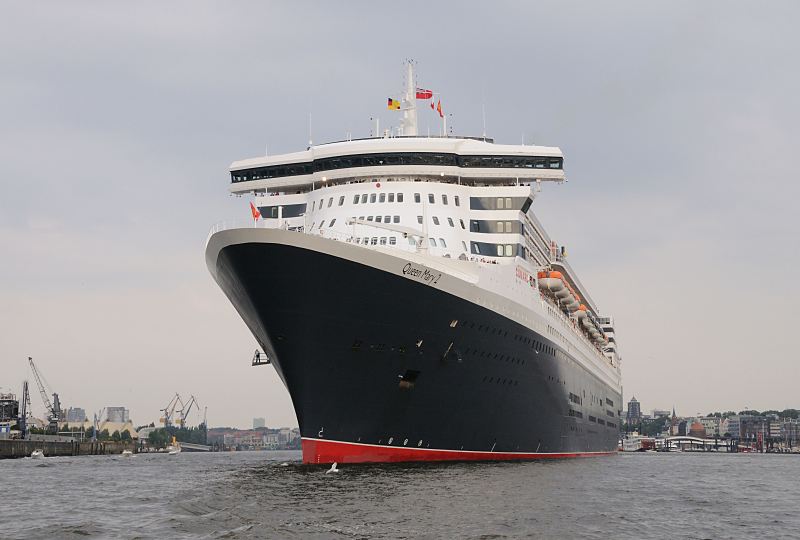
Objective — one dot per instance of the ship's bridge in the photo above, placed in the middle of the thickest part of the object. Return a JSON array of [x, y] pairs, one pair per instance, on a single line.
[[463, 160]]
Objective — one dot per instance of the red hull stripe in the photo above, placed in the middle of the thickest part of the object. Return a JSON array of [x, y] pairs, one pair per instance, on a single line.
[[324, 451]]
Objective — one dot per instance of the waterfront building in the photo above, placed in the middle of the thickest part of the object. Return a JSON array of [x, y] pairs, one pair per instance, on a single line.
[[711, 425], [76, 414], [117, 414], [660, 413], [697, 429], [634, 415], [259, 423], [9, 408]]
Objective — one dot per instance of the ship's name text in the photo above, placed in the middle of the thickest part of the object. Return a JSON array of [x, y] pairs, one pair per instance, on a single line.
[[423, 274]]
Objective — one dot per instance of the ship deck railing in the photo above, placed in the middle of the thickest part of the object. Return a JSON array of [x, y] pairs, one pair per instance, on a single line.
[[570, 323], [340, 236]]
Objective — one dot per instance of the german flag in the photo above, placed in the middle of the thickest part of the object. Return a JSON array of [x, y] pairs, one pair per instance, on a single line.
[[393, 105]]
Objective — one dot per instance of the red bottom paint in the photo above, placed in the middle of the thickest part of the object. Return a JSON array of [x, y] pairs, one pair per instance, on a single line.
[[322, 451]]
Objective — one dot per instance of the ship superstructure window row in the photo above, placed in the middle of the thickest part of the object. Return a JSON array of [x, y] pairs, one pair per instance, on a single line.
[[396, 158], [496, 203]]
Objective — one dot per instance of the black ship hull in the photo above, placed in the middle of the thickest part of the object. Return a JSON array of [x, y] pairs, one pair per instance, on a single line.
[[381, 367]]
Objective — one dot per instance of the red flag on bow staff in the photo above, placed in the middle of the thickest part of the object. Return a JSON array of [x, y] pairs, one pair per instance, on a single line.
[[424, 94], [254, 211], [433, 107]]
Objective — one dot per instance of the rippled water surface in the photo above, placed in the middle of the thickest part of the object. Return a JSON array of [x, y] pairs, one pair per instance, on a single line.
[[270, 495]]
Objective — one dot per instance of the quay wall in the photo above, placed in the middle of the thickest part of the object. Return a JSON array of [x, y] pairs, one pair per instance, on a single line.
[[17, 448]]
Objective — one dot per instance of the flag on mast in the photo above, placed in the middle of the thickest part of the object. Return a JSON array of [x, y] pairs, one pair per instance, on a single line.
[[393, 104], [254, 211], [439, 109], [424, 94]]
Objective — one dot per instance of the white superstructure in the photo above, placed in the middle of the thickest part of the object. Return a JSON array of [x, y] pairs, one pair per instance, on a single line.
[[460, 205]]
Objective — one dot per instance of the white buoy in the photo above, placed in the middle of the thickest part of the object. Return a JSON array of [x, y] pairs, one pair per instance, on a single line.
[[332, 469]]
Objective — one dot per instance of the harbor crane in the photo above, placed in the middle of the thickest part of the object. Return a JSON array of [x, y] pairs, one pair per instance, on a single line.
[[184, 412], [169, 410], [54, 409], [24, 411]]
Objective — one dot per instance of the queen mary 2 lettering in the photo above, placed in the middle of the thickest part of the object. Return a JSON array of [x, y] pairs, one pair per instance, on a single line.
[[412, 303]]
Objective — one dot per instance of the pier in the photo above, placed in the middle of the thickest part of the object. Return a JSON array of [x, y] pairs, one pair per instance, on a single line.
[[18, 448]]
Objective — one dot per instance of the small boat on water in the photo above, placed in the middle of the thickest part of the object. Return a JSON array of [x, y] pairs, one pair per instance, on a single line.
[[127, 453], [37, 454], [174, 448]]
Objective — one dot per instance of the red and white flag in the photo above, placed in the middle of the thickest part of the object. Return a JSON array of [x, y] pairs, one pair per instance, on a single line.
[[424, 94], [254, 211]]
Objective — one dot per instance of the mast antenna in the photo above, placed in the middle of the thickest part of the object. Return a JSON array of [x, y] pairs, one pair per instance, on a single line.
[[408, 126]]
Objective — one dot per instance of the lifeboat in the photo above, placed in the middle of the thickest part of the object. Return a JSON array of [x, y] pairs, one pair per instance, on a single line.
[[580, 313], [553, 282]]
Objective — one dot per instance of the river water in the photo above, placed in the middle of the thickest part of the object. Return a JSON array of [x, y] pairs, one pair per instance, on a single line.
[[270, 495]]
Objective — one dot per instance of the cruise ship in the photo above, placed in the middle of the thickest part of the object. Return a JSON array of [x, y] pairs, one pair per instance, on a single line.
[[412, 303]]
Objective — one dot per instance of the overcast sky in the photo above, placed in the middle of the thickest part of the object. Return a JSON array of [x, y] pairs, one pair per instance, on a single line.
[[678, 122]]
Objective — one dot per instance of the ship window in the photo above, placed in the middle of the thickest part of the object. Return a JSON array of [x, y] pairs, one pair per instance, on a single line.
[[321, 203], [456, 201], [508, 203], [332, 222], [416, 197], [431, 198], [391, 197], [387, 219], [454, 323], [419, 220], [411, 241], [450, 222], [462, 223], [378, 219], [321, 223], [499, 203], [397, 219], [399, 197], [374, 241], [464, 245], [499, 250], [341, 200], [383, 240], [312, 225], [433, 242], [435, 220], [474, 226], [509, 250], [444, 198], [392, 241], [313, 205], [372, 197], [361, 218], [442, 242], [363, 198], [370, 218], [355, 199], [330, 202], [382, 197]]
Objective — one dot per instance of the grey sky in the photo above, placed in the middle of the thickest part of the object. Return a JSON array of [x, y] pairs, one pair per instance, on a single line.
[[679, 124]]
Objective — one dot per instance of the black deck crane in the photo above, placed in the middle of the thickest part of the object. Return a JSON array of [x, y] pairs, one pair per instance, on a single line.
[[54, 408]]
